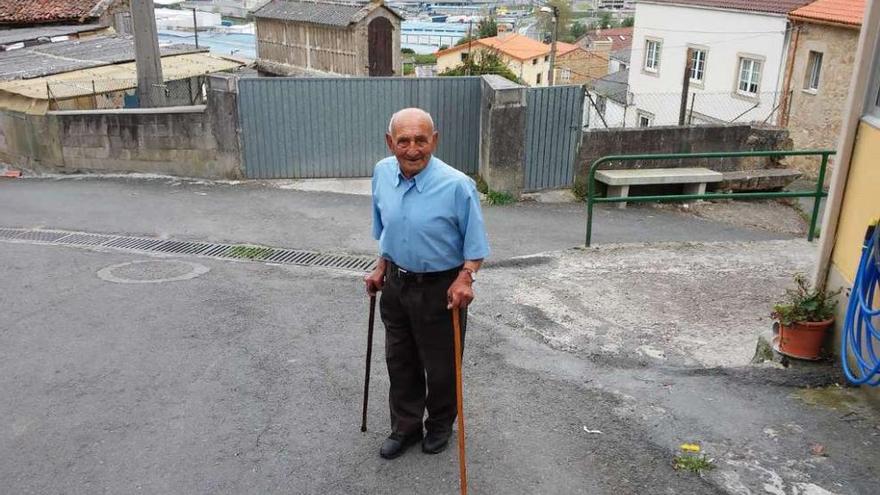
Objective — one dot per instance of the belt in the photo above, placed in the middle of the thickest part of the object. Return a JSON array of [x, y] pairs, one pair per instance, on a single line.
[[420, 277]]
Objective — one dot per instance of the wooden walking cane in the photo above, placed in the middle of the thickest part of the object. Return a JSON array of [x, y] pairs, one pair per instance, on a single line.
[[369, 355], [462, 464]]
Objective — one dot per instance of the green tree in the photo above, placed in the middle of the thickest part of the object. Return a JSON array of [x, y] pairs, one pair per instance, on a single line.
[[466, 39], [605, 21], [628, 22], [481, 63], [487, 27], [545, 20], [577, 29]]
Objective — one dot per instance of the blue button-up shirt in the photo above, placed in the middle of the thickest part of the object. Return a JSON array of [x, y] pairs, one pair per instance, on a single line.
[[429, 223]]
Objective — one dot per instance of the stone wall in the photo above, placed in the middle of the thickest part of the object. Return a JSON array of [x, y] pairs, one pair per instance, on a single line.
[[194, 141], [673, 139], [814, 116]]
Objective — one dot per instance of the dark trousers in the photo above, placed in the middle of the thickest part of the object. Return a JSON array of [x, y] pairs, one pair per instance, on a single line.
[[419, 351]]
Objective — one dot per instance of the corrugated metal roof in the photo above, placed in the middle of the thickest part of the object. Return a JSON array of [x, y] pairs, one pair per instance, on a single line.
[[847, 12], [10, 36], [762, 6], [115, 77], [338, 14], [55, 58]]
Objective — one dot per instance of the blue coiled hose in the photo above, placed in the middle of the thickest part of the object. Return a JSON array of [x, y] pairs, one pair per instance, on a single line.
[[859, 334]]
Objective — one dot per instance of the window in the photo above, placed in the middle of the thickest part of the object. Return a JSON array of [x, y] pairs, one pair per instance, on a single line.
[[534, 61], [546, 58], [538, 78], [814, 68], [652, 55], [873, 104], [749, 76], [645, 119], [698, 65], [565, 75], [464, 57]]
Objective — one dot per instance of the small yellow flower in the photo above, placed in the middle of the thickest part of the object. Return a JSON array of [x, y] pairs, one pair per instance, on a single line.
[[690, 447]]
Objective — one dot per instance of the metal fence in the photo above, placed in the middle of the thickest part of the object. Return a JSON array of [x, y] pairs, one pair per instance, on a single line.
[[98, 94], [619, 109], [817, 193], [335, 127]]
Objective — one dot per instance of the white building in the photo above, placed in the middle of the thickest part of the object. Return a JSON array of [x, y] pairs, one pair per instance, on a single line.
[[738, 47]]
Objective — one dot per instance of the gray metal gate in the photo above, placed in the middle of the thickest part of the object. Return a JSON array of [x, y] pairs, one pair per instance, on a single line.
[[553, 134], [297, 128]]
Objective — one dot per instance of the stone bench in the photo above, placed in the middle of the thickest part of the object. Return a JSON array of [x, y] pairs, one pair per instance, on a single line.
[[694, 179]]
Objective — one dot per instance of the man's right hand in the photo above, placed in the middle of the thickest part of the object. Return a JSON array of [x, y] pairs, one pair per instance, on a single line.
[[375, 280]]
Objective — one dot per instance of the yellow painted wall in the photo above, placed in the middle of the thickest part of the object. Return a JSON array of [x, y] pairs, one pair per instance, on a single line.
[[524, 70], [861, 202]]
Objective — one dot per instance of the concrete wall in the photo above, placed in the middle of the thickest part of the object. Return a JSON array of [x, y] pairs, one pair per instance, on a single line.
[[815, 115], [601, 142], [196, 141]]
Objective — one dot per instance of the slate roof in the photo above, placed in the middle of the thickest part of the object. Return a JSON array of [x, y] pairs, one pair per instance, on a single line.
[[846, 12], [763, 6], [67, 56], [338, 14], [47, 11], [613, 86]]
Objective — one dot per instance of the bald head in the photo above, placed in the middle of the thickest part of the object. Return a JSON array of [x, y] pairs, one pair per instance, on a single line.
[[410, 115], [412, 139]]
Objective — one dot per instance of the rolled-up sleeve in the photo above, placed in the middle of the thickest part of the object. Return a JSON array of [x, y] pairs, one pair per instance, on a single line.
[[470, 223]]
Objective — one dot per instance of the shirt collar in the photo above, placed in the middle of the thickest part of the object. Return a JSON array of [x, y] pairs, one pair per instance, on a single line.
[[420, 178]]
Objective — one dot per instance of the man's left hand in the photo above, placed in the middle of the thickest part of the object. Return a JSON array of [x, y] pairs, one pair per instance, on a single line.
[[460, 293]]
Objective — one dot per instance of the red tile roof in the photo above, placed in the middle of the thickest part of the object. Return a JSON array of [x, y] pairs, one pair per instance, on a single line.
[[765, 6], [513, 45], [47, 11], [847, 12], [620, 38]]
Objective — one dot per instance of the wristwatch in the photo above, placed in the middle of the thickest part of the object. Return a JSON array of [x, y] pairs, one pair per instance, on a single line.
[[472, 273]]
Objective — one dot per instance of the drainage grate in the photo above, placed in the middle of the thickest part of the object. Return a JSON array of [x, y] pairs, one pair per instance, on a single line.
[[246, 252]]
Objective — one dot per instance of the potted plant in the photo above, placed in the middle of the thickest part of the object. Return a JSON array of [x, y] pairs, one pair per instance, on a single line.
[[805, 314]]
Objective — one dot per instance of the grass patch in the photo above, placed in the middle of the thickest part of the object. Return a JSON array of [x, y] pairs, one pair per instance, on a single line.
[[247, 252], [579, 189], [425, 58], [498, 198], [693, 463], [481, 183]]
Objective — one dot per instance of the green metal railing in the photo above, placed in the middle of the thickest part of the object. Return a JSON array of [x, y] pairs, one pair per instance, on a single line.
[[818, 193]]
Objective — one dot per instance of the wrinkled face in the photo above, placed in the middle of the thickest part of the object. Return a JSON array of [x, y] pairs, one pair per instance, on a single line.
[[412, 141]]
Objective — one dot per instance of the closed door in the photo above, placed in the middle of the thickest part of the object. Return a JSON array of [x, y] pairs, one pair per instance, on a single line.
[[381, 60]]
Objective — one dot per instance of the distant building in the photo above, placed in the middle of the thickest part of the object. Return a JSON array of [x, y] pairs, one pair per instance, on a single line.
[[525, 57], [607, 101], [824, 37], [311, 37], [574, 65], [619, 52], [737, 49], [428, 37]]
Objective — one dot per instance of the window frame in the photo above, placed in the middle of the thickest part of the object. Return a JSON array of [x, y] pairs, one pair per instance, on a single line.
[[740, 59], [813, 71], [565, 74], [648, 116], [658, 52], [705, 51], [538, 78], [871, 111]]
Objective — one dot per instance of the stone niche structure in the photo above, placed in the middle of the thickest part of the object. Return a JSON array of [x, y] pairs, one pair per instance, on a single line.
[[324, 38]]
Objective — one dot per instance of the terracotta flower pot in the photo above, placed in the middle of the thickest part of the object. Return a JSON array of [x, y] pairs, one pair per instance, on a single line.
[[803, 339]]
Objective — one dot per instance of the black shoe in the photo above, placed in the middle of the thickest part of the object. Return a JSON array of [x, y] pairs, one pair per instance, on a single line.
[[436, 442], [397, 443]]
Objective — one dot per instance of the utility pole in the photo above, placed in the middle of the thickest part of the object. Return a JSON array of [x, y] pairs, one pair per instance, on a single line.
[[554, 10], [196, 28], [150, 90], [685, 86]]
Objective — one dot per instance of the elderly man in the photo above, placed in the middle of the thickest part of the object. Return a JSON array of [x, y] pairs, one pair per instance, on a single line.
[[427, 219]]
